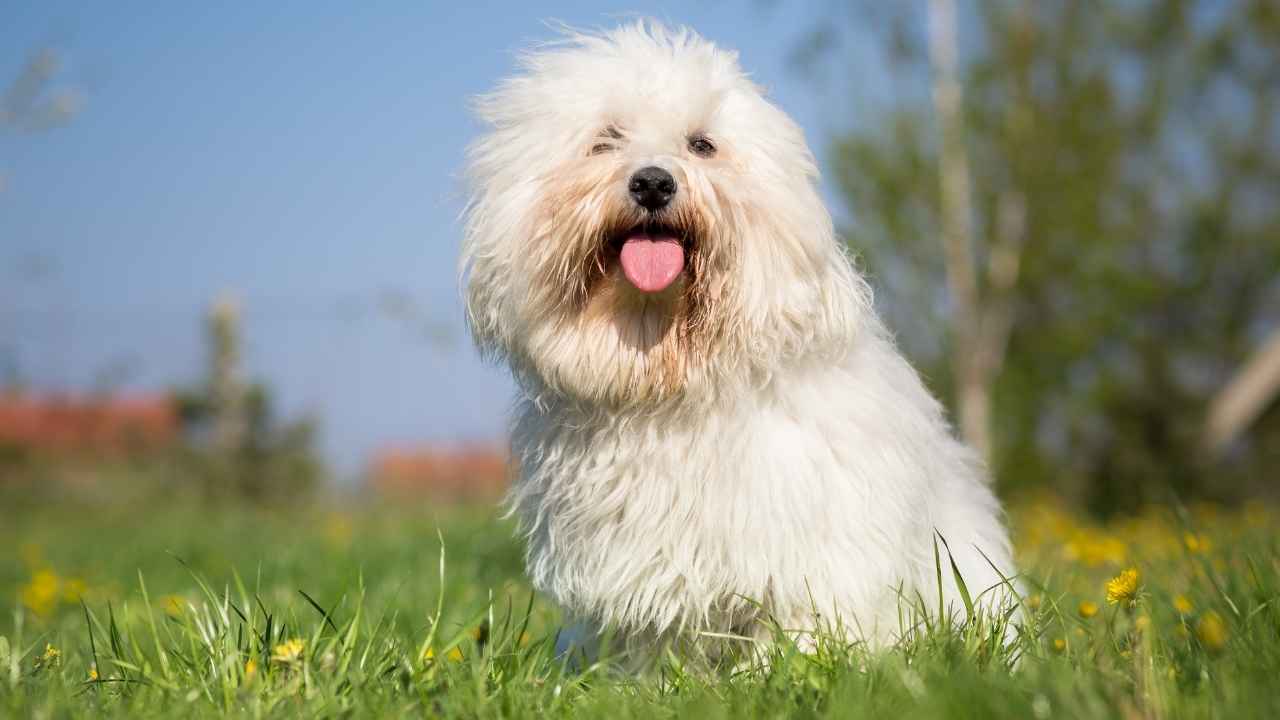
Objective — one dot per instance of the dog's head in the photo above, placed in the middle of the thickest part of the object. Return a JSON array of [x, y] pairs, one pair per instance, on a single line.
[[645, 226]]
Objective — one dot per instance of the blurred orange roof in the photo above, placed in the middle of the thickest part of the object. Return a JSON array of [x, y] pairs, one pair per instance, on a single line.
[[66, 424], [447, 473]]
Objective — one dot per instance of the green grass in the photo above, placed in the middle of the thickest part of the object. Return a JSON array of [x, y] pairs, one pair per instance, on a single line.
[[188, 611]]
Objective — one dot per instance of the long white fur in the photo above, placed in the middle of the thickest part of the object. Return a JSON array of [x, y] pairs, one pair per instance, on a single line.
[[789, 462]]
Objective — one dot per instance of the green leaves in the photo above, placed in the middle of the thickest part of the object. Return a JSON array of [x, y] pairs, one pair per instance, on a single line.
[[1142, 138]]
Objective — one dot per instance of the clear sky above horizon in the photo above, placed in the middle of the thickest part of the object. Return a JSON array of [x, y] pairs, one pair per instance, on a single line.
[[303, 156]]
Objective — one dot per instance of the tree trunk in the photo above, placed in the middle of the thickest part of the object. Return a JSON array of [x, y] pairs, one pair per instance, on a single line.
[[980, 326], [1244, 397], [226, 386], [972, 384]]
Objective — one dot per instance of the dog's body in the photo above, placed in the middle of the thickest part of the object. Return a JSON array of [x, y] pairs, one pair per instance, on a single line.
[[715, 429]]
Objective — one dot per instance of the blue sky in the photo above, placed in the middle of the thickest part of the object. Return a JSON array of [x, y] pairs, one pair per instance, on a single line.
[[305, 156]]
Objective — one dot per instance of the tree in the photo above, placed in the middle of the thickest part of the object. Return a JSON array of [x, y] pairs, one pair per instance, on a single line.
[[32, 103], [29, 104], [980, 321], [237, 446], [1089, 213]]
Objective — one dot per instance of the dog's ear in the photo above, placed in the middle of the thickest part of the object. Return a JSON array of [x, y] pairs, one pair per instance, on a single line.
[[484, 319], [822, 309], [493, 223], [488, 282], [800, 293], [841, 306]]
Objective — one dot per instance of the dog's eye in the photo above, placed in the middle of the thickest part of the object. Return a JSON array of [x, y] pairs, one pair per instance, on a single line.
[[610, 133], [700, 145]]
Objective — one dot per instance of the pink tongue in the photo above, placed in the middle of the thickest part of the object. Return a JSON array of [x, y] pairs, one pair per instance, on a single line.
[[652, 263]]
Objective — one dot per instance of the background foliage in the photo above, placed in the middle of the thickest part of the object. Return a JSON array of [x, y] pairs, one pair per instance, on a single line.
[[1143, 140]]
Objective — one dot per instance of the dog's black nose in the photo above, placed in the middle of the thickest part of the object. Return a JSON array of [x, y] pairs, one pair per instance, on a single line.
[[652, 187]]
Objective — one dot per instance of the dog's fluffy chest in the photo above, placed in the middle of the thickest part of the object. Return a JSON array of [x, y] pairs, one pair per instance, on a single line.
[[704, 520]]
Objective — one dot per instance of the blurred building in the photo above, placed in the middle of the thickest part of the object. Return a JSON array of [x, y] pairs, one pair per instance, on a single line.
[[67, 425], [459, 473]]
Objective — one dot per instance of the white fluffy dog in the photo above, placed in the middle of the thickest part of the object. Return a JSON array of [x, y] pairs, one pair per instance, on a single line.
[[715, 433]]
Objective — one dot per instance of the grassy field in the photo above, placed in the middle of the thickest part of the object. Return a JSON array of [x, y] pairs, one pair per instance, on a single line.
[[176, 610]]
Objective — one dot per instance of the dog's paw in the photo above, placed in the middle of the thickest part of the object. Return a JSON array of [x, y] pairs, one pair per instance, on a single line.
[[577, 645]]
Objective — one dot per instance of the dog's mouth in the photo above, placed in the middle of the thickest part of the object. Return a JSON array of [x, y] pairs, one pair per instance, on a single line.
[[651, 255]]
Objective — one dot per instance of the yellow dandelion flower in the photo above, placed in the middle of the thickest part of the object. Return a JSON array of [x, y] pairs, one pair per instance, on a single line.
[[288, 652], [1197, 544], [1087, 609], [1034, 602], [40, 594], [1059, 644], [1123, 588], [93, 672], [250, 668], [454, 654], [51, 657], [173, 605], [1212, 631], [1094, 548], [1182, 604]]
